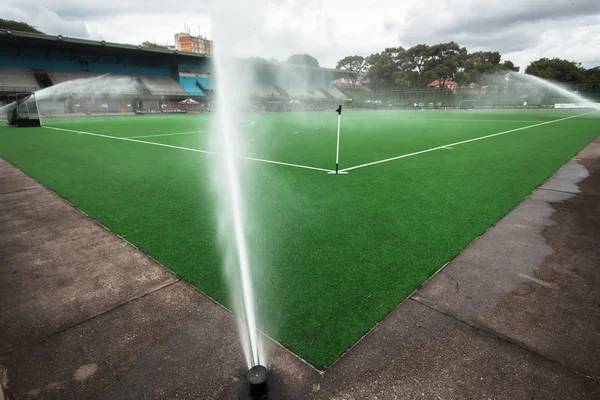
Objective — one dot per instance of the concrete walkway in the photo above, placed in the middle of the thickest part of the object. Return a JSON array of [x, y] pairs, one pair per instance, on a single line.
[[85, 315]]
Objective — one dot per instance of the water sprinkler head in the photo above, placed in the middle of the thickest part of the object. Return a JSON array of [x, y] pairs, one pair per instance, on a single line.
[[256, 385], [257, 381]]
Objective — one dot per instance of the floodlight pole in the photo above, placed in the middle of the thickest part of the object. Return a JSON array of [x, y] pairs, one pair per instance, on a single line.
[[337, 147]]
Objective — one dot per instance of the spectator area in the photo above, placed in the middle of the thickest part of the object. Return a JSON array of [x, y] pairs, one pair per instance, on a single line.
[[17, 79], [163, 85]]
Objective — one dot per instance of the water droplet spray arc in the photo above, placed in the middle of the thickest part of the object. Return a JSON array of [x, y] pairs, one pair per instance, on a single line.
[[228, 139], [567, 94], [232, 210]]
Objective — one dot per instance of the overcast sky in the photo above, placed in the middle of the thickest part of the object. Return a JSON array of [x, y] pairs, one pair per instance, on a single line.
[[331, 29]]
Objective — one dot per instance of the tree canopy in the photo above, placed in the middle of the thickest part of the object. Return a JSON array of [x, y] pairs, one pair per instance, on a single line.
[[557, 69], [18, 26], [421, 64], [356, 64], [303, 59], [153, 45], [592, 74]]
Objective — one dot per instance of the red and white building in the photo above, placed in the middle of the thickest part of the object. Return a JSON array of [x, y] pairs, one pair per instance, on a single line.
[[193, 44]]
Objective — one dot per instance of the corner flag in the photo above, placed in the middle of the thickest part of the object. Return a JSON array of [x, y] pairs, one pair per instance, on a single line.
[[337, 148]]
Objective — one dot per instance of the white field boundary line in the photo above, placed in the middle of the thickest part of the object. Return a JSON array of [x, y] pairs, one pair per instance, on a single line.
[[464, 141], [184, 148], [166, 134], [444, 120], [182, 133]]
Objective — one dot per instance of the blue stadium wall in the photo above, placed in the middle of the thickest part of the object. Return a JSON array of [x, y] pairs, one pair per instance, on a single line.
[[66, 61], [52, 60]]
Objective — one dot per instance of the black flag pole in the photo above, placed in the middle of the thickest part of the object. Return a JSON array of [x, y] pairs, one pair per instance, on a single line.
[[337, 147]]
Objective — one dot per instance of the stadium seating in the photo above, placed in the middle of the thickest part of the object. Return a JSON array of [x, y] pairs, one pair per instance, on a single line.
[[264, 91], [189, 84], [17, 79], [163, 85], [336, 93], [62, 76], [207, 83], [303, 92], [125, 84]]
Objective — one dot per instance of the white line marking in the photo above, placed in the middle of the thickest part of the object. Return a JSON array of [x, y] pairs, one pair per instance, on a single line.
[[129, 140], [288, 164], [447, 120], [464, 141], [165, 134], [182, 133], [184, 148]]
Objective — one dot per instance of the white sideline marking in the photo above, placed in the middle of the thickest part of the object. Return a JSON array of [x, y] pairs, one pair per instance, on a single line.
[[446, 120], [288, 164], [182, 133], [165, 134], [184, 148], [464, 141]]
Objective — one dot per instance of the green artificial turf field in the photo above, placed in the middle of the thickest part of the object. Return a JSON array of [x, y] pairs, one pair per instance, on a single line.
[[335, 254]]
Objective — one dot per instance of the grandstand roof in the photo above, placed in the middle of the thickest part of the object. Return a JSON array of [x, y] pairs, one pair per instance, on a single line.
[[65, 43]]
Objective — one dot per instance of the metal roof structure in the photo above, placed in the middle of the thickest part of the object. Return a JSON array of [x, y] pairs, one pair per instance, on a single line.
[[65, 43]]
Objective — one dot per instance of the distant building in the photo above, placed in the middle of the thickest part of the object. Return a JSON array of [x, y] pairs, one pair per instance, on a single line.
[[193, 44], [448, 83]]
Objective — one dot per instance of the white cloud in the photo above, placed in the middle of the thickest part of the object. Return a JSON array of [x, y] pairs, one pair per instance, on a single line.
[[329, 30]]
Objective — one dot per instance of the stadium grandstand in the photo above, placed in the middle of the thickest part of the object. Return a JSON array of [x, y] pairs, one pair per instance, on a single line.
[[148, 78]]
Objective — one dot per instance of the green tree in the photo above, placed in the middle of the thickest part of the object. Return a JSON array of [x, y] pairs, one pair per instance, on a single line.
[[592, 74], [417, 57], [445, 59], [462, 78], [303, 59], [510, 66], [482, 63], [383, 71], [153, 45], [556, 69], [355, 64], [406, 73], [18, 26]]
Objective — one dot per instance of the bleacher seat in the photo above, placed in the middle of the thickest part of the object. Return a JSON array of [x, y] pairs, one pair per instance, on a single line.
[[17, 79], [125, 82], [62, 76], [264, 91], [163, 85], [189, 84], [336, 93], [303, 92], [207, 83]]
